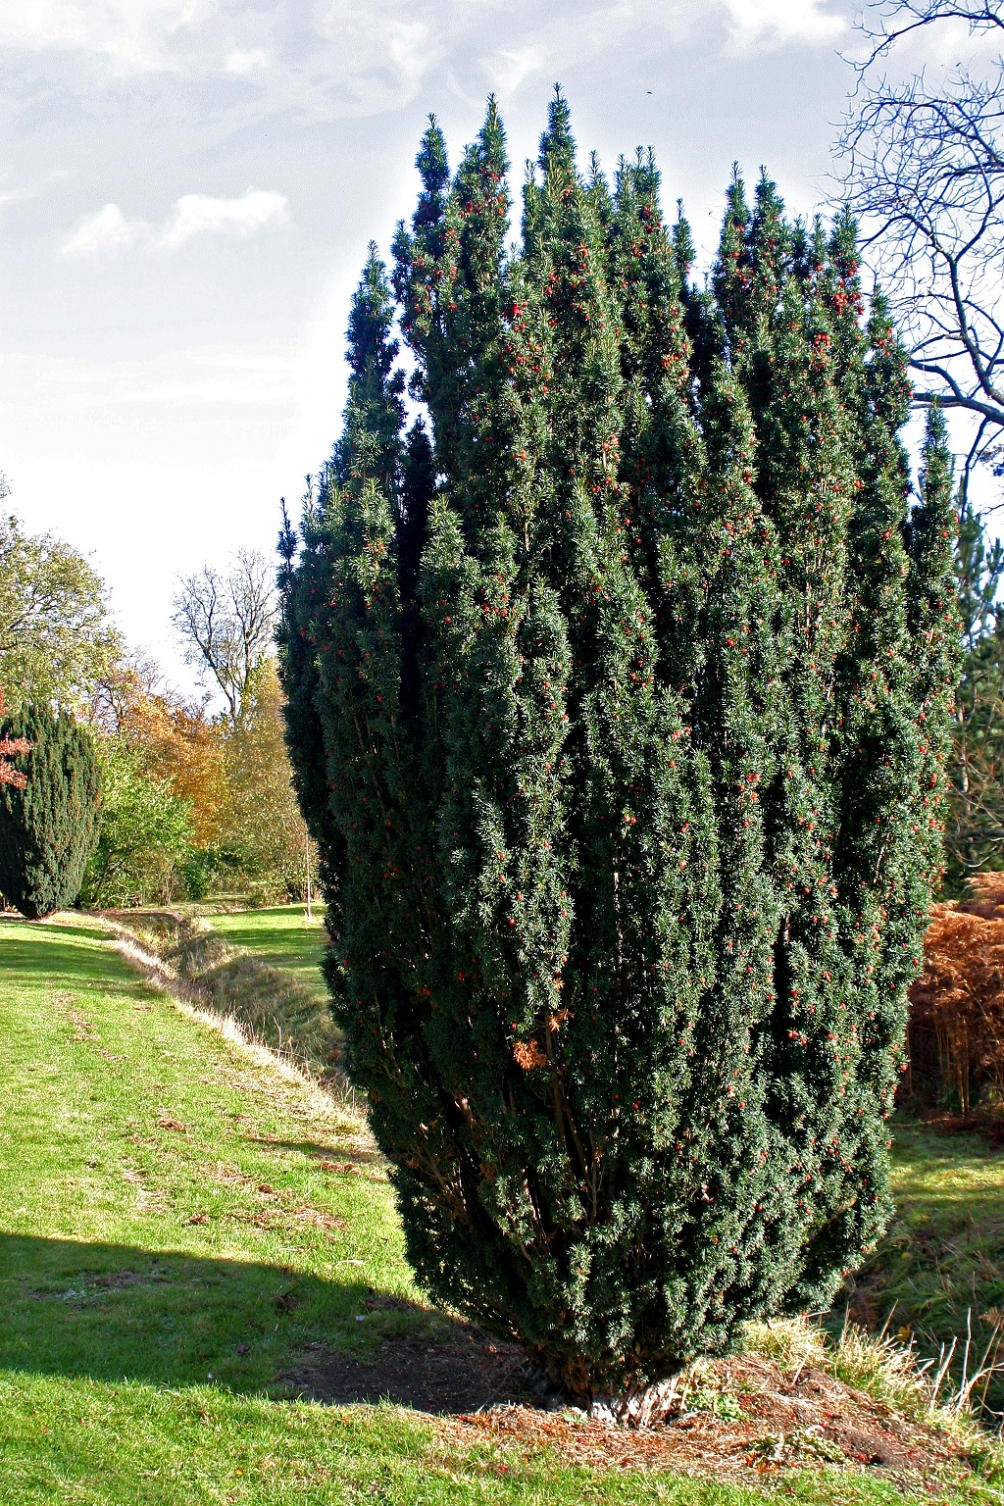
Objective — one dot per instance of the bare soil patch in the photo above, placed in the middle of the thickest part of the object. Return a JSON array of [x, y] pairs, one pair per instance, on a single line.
[[445, 1376]]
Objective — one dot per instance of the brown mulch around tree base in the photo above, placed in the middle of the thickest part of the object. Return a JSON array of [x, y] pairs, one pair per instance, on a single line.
[[817, 1420], [484, 1390]]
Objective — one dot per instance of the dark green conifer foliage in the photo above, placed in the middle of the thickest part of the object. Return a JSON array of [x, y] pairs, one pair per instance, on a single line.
[[617, 704], [48, 829]]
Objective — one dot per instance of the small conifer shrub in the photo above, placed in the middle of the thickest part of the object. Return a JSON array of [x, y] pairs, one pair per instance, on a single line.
[[618, 689], [48, 824]]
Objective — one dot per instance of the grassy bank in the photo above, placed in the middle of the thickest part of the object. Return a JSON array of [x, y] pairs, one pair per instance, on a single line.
[[280, 938], [261, 968], [181, 1228]]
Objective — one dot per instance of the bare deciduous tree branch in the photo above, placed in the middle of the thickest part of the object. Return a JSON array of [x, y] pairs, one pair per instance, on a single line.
[[925, 176], [226, 623], [924, 173], [896, 19]]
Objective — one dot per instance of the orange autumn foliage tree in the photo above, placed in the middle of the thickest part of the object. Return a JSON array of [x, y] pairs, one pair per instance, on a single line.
[[165, 791], [176, 742], [956, 1029], [184, 747], [8, 747], [198, 802]]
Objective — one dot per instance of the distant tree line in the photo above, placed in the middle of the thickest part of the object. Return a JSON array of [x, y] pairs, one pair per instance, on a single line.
[[192, 801]]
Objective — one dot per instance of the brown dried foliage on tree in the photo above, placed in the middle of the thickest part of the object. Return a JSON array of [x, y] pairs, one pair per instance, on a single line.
[[956, 1029], [175, 741], [8, 747]]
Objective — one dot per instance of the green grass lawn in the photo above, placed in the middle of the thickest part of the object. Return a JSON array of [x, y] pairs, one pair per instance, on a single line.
[[281, 938], [942, 1262], [170, 1243]]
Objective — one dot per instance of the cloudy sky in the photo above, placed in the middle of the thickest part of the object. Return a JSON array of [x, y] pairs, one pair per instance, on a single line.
[[188, 190]]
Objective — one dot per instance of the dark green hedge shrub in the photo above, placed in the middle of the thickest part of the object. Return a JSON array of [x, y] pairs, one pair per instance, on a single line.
[[618, 698], [48, 829]]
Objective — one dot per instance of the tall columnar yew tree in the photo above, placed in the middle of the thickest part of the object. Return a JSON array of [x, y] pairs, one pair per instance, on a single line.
[[618, 694], [49, 819]]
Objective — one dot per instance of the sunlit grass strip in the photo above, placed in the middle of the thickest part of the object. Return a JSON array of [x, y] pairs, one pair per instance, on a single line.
[[269, 1006]]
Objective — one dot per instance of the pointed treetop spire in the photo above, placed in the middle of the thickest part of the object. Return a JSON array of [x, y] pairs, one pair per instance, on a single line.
[[371, 319], [936, 432], [434, 167], [557, 144], [843, 244], [649, 176], [374, 412], [487, 154], [769, 237], [683, 242], [288, 541], [737, 212], [493, 131], [769, 204], [732, 273]]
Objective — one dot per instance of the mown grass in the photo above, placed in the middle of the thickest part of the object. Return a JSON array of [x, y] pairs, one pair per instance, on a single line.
[[170, 1242], [939, 1271], [281, 938]]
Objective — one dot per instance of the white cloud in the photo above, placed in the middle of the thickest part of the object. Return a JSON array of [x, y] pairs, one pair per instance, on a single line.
[[104, 232], [193, 214], [350, 57], [783, 21], [246, 62], [410, 49], [199, 214], [132, 32], [508, 70], [366, 58], [33, 190]]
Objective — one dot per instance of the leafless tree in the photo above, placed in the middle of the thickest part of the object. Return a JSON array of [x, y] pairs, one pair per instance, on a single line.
[[886, 22], [226, 622], [924, 171]]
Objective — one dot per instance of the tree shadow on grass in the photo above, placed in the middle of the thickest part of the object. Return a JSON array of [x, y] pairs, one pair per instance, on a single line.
[[113, 1312], [359, 1158]]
